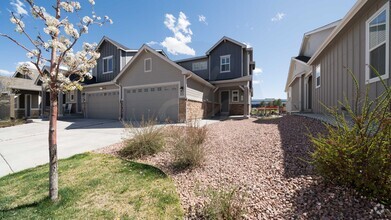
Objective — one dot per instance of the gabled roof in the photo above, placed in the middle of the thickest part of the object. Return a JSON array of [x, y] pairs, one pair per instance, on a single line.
[[303, 58], [115, 43], [191, 59], [348, 17], [225, 38], [19, 83], [147, 48], [315, 31]]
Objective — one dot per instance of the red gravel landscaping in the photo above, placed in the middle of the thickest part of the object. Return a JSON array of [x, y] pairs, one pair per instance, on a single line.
[[267, 160]]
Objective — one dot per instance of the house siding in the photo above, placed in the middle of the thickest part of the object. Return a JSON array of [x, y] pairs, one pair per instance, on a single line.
[[189, 66], [346, 50], [295, 99], [108, 49], [226, 48], [198, 92]]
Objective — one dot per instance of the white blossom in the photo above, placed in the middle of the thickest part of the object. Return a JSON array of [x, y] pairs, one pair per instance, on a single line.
[[76, 5], [87, 20], [66, 6], [92, 2], [23, 68]]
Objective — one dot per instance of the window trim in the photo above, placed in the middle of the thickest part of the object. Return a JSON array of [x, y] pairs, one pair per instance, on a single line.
[[316, 76], [229, 64], [145, 62], [368, 80], [103, 64], [232, 95]]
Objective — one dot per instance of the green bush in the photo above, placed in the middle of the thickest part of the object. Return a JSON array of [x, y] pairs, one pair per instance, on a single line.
[[145, 139], [188, 150], [227, 205], [356, 152]]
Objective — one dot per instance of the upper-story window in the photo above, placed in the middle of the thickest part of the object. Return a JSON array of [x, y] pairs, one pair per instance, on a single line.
[[200, 66], [225, 63], [148, 65], [317, 76], [108, 64], [377, 45]]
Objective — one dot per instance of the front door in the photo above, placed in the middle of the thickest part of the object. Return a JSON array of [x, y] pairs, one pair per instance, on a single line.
[[224, 102]]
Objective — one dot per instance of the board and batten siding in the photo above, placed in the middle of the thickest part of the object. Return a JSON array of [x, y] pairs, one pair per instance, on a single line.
[[226, 48], [295, 96], [346, 51], [108, 49], [201, 73]]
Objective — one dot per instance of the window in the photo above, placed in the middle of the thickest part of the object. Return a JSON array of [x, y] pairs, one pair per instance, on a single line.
[[148, 65], [377, 45], [317, 76], [235, 96], [225, 63], [108, 64], [72, 95], [200, 66]]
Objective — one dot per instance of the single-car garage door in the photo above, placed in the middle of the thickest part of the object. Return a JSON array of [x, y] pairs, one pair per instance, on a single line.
[[104, 105], [154, 102]]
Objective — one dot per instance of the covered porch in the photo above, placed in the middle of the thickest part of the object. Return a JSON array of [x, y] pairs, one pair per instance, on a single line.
[[233, 96]]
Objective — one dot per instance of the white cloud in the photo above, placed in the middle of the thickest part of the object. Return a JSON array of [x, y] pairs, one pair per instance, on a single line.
[[18, 7], [5, 73], [202, 19], [278, 17], [258, 71], [151, 43], [178, 44]]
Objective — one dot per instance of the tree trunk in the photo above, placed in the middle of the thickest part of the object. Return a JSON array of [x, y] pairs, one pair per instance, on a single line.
[[53, 163]]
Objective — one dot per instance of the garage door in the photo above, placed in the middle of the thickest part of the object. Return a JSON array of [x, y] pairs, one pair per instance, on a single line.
[[157, 102], [104, 105]]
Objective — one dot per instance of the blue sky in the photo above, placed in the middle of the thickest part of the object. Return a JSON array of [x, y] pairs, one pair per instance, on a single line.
[[273, 28]]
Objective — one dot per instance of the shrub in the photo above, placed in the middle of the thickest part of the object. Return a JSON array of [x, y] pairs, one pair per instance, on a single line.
[[145, 138], [227, 205], [188, 150], [356, 152]]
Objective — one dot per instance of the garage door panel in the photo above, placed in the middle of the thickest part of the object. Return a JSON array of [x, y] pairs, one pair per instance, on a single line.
[[160, 102], [103, 105]]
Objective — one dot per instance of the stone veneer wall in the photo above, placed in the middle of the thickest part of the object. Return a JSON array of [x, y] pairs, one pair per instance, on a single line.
[[189, 109], [236, 109]]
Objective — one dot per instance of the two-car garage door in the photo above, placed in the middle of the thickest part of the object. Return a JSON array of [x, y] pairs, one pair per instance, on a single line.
[[104, 105], [150, 102]]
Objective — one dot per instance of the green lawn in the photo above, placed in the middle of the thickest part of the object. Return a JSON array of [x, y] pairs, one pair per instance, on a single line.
[[92, 186]]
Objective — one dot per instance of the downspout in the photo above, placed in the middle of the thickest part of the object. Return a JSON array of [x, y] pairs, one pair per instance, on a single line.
[[185, 91]]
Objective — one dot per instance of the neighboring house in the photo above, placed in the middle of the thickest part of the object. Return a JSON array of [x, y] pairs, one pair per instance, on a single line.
[[25, 95], [299, 82], [360, 40], [145, 83]]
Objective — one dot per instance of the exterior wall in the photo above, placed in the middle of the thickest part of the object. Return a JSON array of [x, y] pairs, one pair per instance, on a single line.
[[5, 107], [346, 50], [162, 72], [108, 49], [182, 110], [226, 48], [97, 88], [236, 109], [190, 110], [189, 66], [295, 96], [125, 58], [198, 92], [315, 41]]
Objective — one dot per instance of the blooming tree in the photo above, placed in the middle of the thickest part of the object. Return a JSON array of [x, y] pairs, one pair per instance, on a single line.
[[54, 48]]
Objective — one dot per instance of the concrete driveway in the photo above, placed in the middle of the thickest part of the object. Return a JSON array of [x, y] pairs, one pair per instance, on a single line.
[[26, 146]]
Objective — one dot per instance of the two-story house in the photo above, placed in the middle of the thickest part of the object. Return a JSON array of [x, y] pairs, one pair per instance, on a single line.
[[359, 41], [144, 83]]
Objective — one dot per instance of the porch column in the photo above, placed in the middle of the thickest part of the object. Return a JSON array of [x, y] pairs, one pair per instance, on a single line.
[[43, 102], [246, 100], [60, 104]]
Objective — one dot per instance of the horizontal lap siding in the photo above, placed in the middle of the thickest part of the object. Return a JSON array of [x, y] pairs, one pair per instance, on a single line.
[[346, 52]]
